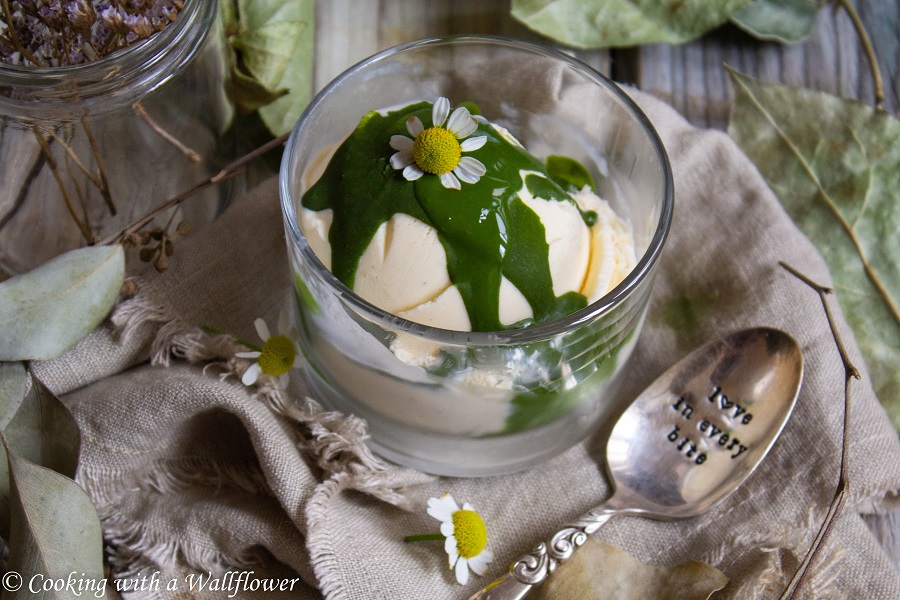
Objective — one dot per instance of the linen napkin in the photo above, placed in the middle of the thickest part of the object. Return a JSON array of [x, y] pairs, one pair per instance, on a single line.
[[194, 473]]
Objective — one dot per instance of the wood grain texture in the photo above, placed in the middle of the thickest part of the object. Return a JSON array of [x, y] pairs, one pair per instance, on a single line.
[[351, 30]]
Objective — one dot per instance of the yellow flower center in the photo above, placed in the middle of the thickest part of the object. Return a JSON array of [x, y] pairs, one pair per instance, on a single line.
[[277, 356], [436, 151], [470, 532]]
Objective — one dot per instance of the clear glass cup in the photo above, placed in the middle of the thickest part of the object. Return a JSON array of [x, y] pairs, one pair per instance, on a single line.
[[495, 402], [87, 127]]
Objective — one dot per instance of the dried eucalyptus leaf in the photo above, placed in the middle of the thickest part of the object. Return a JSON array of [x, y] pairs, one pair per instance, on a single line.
[[55, 528], [250, 94], [274, 44], [257, 13], [280, 115], [13, 379], [618, 23], [43, 430], [835, 166], [39, 428], [45, 312], [228, 10], [267, 51], [785, 21], [599, 571]]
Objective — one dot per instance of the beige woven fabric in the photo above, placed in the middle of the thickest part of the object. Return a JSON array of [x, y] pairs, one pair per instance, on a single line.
[[193, 472]]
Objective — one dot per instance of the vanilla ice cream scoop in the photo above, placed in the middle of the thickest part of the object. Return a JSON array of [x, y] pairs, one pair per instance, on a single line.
[[491, 243]]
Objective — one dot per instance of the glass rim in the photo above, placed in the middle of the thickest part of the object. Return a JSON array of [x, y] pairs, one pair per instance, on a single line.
[[133, 64], [606, 303]]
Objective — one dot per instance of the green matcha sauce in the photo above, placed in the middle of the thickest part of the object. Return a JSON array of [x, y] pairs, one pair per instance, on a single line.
[[485, 228]]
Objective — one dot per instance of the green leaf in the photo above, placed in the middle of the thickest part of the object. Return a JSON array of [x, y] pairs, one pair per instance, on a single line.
[[267, 51], [258, 13], [569, 172], [835, 165], [13, 379], [45, 312], [281, 115], [274, 47], [249, 94], [228, 10], [617, 23], [785, 21], [37, 426], [55, 529]]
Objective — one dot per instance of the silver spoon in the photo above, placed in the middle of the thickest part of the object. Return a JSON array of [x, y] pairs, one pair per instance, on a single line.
[[687, 442]]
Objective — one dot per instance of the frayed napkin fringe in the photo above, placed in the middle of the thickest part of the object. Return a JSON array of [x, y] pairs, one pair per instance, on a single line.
[[174, 338], [322, 554], [167, 476], [133, 552]]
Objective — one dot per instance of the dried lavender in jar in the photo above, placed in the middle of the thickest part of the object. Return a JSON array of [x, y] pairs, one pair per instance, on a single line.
[[55, 33]]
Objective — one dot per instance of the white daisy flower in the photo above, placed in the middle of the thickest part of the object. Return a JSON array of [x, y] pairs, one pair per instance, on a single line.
[[276, 358], [437, 150], [466, 536]]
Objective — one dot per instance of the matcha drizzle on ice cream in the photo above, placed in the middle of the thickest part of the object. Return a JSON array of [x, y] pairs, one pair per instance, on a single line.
[[509, 250]]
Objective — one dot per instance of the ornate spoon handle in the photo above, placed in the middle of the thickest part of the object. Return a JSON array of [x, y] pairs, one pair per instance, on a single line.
[[533, 568]]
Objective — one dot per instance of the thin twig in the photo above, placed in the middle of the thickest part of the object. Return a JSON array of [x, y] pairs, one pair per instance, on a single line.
[[191, 154], [840, 494], [101, 168], [81, 166], [227, 172], [869, 49], [51, 162], [79, 192], [36, 168]]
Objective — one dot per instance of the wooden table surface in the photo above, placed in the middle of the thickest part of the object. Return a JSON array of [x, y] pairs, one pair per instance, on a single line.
[[690, 77]]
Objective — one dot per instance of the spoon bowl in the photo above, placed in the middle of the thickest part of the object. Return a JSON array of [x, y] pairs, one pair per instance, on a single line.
[[686, 443]]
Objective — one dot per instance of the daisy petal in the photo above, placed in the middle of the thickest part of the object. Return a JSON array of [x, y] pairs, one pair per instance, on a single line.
[[401, 159], [465, 176], [447, 500], [469, 169], [479, 563], [414, 126], [439, 111], [248, 354], [462, 571], [412, 172], [447, 528], [450, 549], [252, 374], [401, 142], [262, 329], [449, 181], [439, 509], [461, 123], [473, 143], [467, 506], [284, 379]]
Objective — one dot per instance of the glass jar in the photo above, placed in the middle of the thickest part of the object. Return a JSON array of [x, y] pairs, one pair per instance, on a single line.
[[493, 402], [87, 149]]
